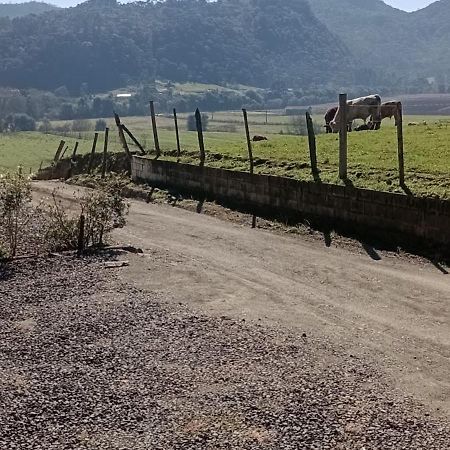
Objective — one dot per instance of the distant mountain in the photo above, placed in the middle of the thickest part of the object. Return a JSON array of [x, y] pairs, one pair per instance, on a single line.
[[22, 9], [400, 45], [431, 29], [105, 45]]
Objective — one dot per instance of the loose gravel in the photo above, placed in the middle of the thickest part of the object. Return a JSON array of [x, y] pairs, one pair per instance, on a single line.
[[88, 362]]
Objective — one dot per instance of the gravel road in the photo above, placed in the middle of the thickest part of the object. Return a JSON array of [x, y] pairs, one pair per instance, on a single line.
[[90, 361], [391, 310]]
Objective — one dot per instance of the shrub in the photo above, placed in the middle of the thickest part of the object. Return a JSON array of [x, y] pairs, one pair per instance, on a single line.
[[63, 128], [81, 125], [100, 125], [15, 197], [298, 126], [45, 126], [20, 122], [192, 122], [62, 229], [104, 210]]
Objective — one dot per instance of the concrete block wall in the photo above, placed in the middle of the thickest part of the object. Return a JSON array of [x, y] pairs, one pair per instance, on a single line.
[[423, 218]]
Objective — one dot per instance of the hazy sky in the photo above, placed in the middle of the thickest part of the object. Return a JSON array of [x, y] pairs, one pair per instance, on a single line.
[[407, 5]]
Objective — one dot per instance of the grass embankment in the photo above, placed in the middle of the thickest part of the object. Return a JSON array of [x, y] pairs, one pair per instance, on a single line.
[[372, 155]]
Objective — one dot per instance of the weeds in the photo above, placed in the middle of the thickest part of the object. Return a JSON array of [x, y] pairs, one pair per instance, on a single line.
[[104, 209], [15, 198]]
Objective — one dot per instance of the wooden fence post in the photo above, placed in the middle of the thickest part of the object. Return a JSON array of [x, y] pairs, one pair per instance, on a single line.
[[74, 153], [155, 129], [91, 159], [249, 143], [177, 134], [72, 160], [105, 152], [312, 144], [58, 151], [122, 139], [64, 152], [136, 142], [201, 145], [250, 153], [80, 244], [401, 161], [343, 137]]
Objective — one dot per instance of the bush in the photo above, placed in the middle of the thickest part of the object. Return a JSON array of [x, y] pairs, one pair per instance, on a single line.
[[15, 197], [298, 126], [104, 210], [100, 125], [63, 128], [192, 122], [81, 125], [20, 122], [45, 126]]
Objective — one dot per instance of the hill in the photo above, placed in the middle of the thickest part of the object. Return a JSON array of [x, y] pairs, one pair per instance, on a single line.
[[406, 46], [22, 9], [105, 45], [431, 29]]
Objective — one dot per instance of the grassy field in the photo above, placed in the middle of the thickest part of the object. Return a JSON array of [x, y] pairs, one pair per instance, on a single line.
[[31, 148], [372, 155]]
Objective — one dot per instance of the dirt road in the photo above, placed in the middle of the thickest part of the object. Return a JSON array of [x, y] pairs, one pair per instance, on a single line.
[[395, 312]]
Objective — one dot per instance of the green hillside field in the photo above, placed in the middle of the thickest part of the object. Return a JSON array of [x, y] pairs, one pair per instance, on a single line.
[[372, 155]]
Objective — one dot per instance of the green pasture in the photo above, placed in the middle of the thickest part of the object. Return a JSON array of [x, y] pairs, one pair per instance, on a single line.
[[372, 156], [29, 149]]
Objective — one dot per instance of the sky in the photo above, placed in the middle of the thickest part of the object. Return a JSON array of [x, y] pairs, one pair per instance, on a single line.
[[407, 5]]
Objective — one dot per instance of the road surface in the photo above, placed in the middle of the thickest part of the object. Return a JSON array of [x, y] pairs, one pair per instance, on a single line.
[[395, 312]]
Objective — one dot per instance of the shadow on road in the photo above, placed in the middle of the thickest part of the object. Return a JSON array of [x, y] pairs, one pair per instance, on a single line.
[[440, 267], [200, 205], [371, 251]]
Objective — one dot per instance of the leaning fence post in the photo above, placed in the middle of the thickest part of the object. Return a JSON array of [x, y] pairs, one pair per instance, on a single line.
[[401, 161], [105, 152], [64, 152], [122, 139], [74, 153], [91, 159], [136, 142], [201, 145], [80, 244], [250, 153], [177, 134], [343, 136], [72, 160], [312, 144], [155, 129], [59, 150]]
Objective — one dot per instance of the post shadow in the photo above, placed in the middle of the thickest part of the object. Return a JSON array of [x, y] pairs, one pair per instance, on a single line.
[[371, 251], [348, 182], [200, 205], [327, 237], [438, 266], [406, 189]]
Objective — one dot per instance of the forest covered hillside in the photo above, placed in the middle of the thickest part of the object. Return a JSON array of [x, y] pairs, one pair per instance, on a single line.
[[384, 40], [106, 45], [12, 10]]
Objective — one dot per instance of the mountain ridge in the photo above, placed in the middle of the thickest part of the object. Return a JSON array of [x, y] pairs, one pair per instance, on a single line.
[[13, 10], [107, 45]]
